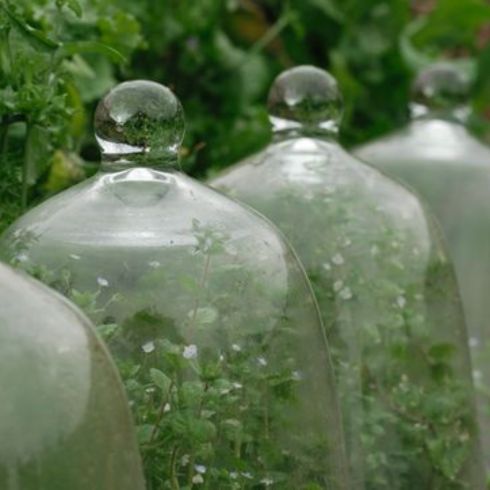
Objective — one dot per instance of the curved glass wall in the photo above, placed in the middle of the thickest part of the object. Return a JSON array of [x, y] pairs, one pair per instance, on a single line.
[[64, 419], [205, 308], [385, 287], [440, 159]]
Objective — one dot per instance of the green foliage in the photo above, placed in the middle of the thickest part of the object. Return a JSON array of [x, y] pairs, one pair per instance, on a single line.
[[219, 393], [57, 57], [49, 52]]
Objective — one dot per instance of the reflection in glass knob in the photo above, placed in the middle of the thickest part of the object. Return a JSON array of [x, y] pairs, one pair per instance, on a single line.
[[440, 87], [138, 121], [306, 98]]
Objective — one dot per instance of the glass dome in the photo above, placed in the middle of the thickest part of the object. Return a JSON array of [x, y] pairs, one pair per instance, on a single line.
[[64, 419], [207, 311], [439, 158], [385, 287]]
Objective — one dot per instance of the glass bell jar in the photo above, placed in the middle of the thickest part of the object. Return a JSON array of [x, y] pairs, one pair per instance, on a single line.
[[64, 418], [385, 287], [440, 159], [206, 310]]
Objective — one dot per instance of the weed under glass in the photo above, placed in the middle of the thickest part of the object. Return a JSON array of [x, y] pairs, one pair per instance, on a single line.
[[386, 291], [440, 159], [64, 417], [205, 308]]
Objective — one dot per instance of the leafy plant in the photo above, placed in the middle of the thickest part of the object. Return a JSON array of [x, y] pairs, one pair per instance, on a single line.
[[389, 302], [225, 367], [46, 50]]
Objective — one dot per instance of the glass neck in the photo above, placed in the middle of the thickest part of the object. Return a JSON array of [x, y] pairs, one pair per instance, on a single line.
[[305, 132], [459, 114], [162, 162]]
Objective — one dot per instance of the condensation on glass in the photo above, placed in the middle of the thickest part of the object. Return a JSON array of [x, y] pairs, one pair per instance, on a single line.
[[385, 287], [206, 310], [64, 417], [440, 159]]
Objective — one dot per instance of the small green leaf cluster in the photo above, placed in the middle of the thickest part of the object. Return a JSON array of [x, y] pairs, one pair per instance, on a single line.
[[388, 300]]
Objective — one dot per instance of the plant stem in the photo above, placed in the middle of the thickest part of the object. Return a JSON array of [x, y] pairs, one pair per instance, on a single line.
[[190, 472], [173, 478], [270, 35], [266, 412], [161, 412], [201, 287]]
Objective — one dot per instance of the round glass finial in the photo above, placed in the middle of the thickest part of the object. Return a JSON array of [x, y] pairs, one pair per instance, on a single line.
[[306, 98], [139, 120], [441, 87]]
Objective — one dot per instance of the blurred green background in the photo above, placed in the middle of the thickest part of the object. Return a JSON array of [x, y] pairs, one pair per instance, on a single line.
[[58, 57]]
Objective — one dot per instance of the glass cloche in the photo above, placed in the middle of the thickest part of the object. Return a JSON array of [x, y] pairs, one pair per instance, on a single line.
[[441, 160], [206, 309], [64, 419], [386, 290]]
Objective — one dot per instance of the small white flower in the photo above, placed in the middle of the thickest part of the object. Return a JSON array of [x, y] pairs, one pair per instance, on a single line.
[[246, 474], [151, 389], [184, 460], [200, 468], [102, 282], [154, 264], [473, 342], [237, 386], [346, 293], [224, 391], [233, 475], [197, 479], [267, 482], [221, 357], [327, 266], [148, 347], [262, 361], [166, 408], [337, 259], [75, 256], [190, 351], [337, 286], [236, 348], [296, 375], [401, 301]]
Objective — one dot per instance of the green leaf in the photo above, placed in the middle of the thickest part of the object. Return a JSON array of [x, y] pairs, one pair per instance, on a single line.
[[202, 430], [75, 7], [415, 59], [160, 379], [78, 47], [442, 352], [35, 37], [205, 315], [330, 9], [145, 432]]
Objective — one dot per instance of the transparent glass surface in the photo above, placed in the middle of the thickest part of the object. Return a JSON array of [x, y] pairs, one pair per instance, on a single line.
[[206, 310], [450, 169], [386, 291], [64, 418]]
